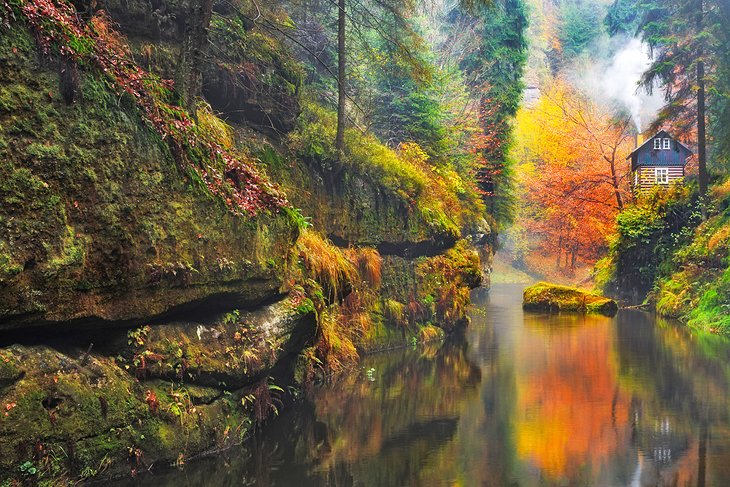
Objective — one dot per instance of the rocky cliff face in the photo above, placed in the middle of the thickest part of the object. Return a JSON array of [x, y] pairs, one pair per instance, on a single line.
[[98, 221], [137, 397], [152, 322]]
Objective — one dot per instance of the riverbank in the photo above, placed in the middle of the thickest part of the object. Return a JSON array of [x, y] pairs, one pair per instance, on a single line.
[[495, 404], [664, 256]]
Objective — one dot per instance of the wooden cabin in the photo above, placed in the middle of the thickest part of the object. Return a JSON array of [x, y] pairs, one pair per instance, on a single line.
[[659, 161]]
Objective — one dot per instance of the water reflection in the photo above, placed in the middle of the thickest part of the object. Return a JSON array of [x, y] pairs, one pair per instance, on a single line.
[[519, 400]]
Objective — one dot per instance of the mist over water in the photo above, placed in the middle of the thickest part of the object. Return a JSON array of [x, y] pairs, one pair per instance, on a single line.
[[614, 80]]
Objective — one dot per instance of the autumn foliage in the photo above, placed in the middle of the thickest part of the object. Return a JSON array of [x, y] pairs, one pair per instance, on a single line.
[[95, 45], [572, 168]]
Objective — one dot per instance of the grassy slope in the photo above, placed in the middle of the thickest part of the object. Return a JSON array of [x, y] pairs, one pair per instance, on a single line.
[[664, 254], [697, 288]]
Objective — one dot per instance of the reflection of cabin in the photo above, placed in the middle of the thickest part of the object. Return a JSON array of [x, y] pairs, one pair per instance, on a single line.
[[658, 161]]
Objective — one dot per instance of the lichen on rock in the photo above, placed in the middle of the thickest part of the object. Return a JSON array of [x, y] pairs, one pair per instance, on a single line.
[[552, 297]]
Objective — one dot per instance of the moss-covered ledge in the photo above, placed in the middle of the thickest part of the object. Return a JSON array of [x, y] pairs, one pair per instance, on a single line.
[[97, 219], [555, 298], [152, 396]]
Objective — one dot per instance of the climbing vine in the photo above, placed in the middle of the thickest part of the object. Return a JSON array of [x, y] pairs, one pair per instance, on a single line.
[[59, 31]]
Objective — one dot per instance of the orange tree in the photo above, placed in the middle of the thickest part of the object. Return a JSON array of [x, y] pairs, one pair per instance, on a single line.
[[571, 155]]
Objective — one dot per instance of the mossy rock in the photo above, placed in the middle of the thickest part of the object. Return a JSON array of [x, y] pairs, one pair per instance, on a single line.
[[552, 297], [72, 416], [236, 349], [97, 220]]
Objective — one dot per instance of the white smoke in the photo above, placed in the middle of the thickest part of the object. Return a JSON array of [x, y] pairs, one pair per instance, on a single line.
[[615, 81]]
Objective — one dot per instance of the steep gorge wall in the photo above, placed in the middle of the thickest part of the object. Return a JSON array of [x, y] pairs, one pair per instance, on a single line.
[[103, 233], [98, 220]]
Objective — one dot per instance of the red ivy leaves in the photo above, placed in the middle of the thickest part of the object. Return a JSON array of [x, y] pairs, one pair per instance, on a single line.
[[59, 30]]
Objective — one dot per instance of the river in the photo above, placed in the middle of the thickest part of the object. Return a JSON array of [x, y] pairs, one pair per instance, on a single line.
[[516, 400]]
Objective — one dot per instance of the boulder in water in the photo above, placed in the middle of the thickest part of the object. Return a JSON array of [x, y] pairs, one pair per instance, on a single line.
[[552, 297]]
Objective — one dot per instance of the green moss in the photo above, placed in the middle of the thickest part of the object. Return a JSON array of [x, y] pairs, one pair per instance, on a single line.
[[94, 417], [696, 283], [71, 254], [552, 297], [431, 200], [92, 195], [9, 268]]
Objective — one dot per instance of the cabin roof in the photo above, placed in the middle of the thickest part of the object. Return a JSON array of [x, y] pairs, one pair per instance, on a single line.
[[649, 139]]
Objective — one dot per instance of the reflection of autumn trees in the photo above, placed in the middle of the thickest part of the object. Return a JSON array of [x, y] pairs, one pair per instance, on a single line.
[[533, 400], [679, 382], [570, 414]]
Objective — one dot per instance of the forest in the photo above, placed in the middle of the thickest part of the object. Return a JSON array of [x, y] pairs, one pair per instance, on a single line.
[[213, 210], [604, 74]]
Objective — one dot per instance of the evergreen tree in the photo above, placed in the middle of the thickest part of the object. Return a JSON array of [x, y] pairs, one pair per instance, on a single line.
[[495, 71], [623, 17], [685, 36], [581, 25]]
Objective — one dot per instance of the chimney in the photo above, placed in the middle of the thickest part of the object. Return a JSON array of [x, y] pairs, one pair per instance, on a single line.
[[639, 140]]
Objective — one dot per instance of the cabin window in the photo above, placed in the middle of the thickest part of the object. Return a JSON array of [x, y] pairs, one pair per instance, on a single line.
[[657, 144], [667, 144], [662, 175]]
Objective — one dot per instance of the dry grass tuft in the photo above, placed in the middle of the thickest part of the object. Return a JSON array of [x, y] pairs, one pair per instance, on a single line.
[[721, 191], [369, 264], [334, 346], [325, 263], [430, 333], [414, 310], [213, 127], [395, 312], [452, 303], [719, 238]]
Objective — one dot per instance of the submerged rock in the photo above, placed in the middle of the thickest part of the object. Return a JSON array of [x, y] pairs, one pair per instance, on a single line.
[[552, 297]]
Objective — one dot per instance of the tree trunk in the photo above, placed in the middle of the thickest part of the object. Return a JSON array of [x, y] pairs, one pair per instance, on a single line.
[[188, 77], [614, 182], [701, 119], [341, 80]]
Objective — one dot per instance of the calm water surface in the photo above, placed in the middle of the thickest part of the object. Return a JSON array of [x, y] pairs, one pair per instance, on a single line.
[[518, 400]]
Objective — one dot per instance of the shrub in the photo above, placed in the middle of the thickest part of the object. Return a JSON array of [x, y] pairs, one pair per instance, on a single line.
[[647, 236]]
